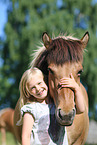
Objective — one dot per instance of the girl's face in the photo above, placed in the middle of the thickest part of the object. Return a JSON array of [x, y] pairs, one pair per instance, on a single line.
[[37, 87]]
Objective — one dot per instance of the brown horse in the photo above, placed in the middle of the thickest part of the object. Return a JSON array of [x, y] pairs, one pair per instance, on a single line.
[[58, 58], [6, 123]]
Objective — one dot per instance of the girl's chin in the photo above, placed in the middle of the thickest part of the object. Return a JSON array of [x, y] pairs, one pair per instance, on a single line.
[[41, 97]]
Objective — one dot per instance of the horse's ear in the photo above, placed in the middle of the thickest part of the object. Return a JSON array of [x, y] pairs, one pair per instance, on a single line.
[[85, 39], [46, 39]]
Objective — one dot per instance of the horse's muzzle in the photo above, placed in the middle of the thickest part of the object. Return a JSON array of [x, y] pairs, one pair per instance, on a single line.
[[63, 118]]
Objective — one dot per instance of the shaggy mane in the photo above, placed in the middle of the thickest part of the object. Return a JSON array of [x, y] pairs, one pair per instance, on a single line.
[[61, 50]]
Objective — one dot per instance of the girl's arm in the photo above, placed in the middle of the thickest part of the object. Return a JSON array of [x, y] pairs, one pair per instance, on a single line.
[[28, 122], [79, 100]]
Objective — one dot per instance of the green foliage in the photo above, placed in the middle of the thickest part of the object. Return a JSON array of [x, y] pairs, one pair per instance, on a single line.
[[27, 20], [10, 140]]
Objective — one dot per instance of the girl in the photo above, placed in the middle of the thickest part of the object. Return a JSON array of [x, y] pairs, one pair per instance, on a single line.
[[39, 125]]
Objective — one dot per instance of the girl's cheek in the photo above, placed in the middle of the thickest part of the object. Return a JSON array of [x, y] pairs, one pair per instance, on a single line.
[[33, 91], [46, 87]]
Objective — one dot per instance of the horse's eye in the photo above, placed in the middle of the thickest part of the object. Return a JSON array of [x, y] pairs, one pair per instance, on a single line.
[[80, 72], [51, 71]]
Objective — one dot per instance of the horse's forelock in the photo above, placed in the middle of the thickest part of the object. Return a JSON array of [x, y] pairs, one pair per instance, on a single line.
[[62, 51]]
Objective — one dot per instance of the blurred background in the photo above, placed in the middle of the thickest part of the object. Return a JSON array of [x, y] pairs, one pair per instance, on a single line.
[[22, 23]]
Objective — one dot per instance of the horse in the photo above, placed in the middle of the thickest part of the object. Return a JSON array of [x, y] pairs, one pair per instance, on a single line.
[[6, 123], [57, 58]]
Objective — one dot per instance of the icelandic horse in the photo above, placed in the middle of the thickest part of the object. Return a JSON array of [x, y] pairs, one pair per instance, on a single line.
[[6, 123], [58, 58]]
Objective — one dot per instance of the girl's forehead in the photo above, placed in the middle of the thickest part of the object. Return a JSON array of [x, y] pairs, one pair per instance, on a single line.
[[37, 76], [34, 75], [35, 79]]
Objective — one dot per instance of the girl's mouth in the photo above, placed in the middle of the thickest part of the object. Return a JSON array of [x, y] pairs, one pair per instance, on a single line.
[[40, 93]]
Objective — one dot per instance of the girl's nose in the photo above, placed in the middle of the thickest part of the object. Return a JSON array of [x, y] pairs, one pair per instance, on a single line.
[[37, 87]]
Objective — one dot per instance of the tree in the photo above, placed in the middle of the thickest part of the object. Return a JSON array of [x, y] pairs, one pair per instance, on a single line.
[[27, 20]]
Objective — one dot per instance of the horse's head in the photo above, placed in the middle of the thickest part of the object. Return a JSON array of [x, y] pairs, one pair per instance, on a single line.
[[63, 97], [61, 58]]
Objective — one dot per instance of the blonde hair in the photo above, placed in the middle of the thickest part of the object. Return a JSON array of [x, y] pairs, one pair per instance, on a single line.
[[25, 95]]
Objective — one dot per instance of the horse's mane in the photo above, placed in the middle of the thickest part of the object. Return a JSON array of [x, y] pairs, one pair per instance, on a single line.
[[62, 49]]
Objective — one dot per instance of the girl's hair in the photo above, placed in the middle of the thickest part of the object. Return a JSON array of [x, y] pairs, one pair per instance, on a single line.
[[24, 88], [25, 95]]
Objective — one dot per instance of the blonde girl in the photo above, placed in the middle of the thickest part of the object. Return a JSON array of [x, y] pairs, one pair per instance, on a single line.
[[26, 94]]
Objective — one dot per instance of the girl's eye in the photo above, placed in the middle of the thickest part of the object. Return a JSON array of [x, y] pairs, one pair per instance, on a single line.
[[80, 72], [39, 83], [32, 88]]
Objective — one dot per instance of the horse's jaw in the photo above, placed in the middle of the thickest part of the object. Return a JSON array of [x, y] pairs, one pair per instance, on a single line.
[[65, 119]]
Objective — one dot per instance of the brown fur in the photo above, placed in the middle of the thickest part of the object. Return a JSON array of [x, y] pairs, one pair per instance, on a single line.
[[6, 122], [58, 59]]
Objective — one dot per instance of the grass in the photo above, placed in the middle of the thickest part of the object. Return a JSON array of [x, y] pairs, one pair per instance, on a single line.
[[90, 144], [10, 139]]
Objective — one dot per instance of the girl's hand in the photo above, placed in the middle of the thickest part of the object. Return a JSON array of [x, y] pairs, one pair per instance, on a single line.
[[69, 83]]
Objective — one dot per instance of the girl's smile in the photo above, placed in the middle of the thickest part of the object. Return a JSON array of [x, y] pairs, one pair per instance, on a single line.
[[37, 87]]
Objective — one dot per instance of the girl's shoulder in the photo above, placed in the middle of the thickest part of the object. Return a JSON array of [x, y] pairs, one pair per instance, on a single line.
[[28, 105], [28, 108], [32, 108], [36, 109]]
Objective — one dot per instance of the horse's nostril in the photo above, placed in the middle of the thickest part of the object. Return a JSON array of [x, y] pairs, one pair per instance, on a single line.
[[69, 115], [60, 115]]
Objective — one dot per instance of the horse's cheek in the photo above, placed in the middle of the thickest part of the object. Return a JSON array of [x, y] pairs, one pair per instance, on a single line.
[[51, 88], [52, 84]]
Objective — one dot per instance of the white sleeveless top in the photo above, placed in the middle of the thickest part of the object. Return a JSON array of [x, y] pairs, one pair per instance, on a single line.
[[46, 130]]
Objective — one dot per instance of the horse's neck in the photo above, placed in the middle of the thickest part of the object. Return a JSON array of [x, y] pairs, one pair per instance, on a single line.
[[85, 96]]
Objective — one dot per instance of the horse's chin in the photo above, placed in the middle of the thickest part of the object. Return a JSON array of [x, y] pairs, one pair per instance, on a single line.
[[66, 120]]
